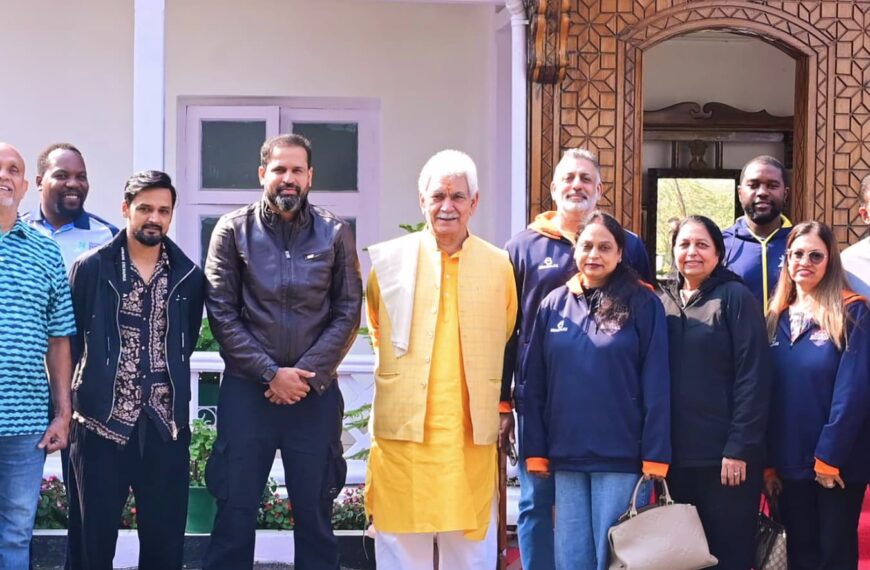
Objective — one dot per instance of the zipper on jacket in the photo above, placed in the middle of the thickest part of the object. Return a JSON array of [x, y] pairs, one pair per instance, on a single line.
[[172, 423], [118, 362]]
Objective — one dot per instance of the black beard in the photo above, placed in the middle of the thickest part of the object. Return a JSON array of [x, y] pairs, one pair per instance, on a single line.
[[762, 219], [287, 203], [146, 239], [68, 213]]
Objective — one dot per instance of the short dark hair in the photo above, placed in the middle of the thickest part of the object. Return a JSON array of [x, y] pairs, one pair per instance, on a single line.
[[148, 180], [712, 229], [284, 140], [42, 159], [768, 161]]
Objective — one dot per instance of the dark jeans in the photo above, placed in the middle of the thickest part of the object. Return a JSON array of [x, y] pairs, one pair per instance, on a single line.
[[250, 431], [729, 514], [822, 524], [104, 472]]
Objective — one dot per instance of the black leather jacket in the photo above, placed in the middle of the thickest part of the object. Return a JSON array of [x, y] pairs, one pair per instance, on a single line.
[[283, 293]]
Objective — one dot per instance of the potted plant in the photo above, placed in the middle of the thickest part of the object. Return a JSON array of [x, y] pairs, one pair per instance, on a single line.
[[201, 506]]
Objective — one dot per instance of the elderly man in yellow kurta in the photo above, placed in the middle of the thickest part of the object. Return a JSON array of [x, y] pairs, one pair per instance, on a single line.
[[441, 305]]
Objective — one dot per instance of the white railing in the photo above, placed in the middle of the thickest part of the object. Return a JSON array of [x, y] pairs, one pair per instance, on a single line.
[[355, 379]]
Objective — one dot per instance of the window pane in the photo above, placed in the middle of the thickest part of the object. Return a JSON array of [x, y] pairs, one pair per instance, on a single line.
[[680, 197], [206, 227], [231, 153], [335, 150]]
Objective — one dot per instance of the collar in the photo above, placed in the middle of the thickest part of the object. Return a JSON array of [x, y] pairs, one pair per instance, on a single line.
[[785, 223], [19, 227], [274, 220], [575, 285], [430, 243], [82, 222], [545, 225]]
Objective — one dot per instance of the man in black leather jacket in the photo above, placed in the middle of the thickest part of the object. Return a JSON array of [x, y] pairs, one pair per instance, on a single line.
[[284, 297]]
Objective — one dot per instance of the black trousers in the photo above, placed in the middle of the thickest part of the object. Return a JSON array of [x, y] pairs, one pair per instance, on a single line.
[[104, 472], [729, 514], [821, 524], [250, 431]]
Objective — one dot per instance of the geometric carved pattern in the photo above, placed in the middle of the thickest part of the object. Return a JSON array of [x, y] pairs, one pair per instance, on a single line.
[[599, 104]]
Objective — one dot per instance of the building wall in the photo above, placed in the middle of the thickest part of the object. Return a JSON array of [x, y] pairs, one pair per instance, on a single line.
[[69, 78], [717, 67], [428, 65]]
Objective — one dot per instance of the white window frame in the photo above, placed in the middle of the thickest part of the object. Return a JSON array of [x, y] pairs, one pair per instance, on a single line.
[[279, 115]]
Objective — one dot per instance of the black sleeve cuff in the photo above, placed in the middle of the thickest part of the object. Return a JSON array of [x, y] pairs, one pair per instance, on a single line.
[[267, 376]]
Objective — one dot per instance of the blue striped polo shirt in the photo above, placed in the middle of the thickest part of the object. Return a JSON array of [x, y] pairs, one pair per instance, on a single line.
[[35, 304]]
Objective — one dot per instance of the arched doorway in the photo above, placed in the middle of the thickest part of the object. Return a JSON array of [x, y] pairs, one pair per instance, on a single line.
[[598, 104]]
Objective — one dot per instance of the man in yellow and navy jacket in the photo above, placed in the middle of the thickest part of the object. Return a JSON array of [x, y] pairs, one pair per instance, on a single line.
[[755, 244], [441, 305]]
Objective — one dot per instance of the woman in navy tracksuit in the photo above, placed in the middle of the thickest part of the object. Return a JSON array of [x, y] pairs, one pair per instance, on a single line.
[[819, 436], [720, 392], [597, 394]]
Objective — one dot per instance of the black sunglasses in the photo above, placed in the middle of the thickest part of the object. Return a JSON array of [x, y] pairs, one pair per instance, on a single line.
[[815, 257]]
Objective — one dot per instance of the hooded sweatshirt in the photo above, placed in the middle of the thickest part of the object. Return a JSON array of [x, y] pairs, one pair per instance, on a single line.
[[757, 261], [597, 395], [543, 259], [821, 402], [720, 373]]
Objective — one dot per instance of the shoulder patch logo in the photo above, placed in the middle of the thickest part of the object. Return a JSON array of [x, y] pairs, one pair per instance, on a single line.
[[560, 327], [548, 264]]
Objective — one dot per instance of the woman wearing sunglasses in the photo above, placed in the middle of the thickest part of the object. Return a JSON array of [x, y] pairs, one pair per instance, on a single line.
[[720, 392], [597, 394], [819, 433]]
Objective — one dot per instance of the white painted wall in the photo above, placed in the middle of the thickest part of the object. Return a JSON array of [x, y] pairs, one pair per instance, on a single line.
[[429, 65], [742, 72], [69, 78]]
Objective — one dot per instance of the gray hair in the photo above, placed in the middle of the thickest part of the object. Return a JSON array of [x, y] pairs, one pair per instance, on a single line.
[[449, 163], [580, 153], [864, 195]]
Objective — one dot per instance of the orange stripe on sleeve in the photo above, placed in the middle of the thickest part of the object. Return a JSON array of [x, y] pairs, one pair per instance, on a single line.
[[537, 465], [653, 468], [823, 468], [505, 408]]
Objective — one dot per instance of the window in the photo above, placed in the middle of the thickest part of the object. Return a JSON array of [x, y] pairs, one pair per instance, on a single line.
[[219, 154]]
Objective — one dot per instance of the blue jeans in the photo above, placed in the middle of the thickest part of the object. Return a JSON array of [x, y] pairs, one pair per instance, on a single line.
[[20, 479], [587, 505], [535, 520]]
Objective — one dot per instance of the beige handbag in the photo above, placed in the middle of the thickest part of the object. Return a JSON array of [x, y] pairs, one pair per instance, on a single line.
[[661, 536]]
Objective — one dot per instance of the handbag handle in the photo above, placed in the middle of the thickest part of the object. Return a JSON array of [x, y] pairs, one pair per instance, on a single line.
[[665, 498]]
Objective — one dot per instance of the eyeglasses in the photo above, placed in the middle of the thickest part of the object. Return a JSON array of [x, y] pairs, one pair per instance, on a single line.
[[815, 257]]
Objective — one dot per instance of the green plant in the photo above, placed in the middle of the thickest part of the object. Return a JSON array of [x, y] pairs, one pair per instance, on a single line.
[[206, 340], [358, 418], [413, 228], [53, 508], [276, 513], [128, 515], [202, 437], [349, 510]]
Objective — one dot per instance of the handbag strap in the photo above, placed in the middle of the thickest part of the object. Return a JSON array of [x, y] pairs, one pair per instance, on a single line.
[[665, 497]]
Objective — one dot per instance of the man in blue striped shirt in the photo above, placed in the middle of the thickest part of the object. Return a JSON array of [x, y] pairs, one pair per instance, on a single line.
[[36, 320]]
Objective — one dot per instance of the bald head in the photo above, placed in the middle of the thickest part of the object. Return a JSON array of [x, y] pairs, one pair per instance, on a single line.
[[13, 185], [6, 147]]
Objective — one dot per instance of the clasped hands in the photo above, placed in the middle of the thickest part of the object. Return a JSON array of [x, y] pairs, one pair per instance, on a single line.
[[288, 386]]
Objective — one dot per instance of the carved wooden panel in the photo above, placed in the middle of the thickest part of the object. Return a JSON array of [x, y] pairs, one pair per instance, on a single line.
[[599, 104]]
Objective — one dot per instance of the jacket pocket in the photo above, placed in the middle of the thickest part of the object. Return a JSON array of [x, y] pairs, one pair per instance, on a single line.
[[336, 473]]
